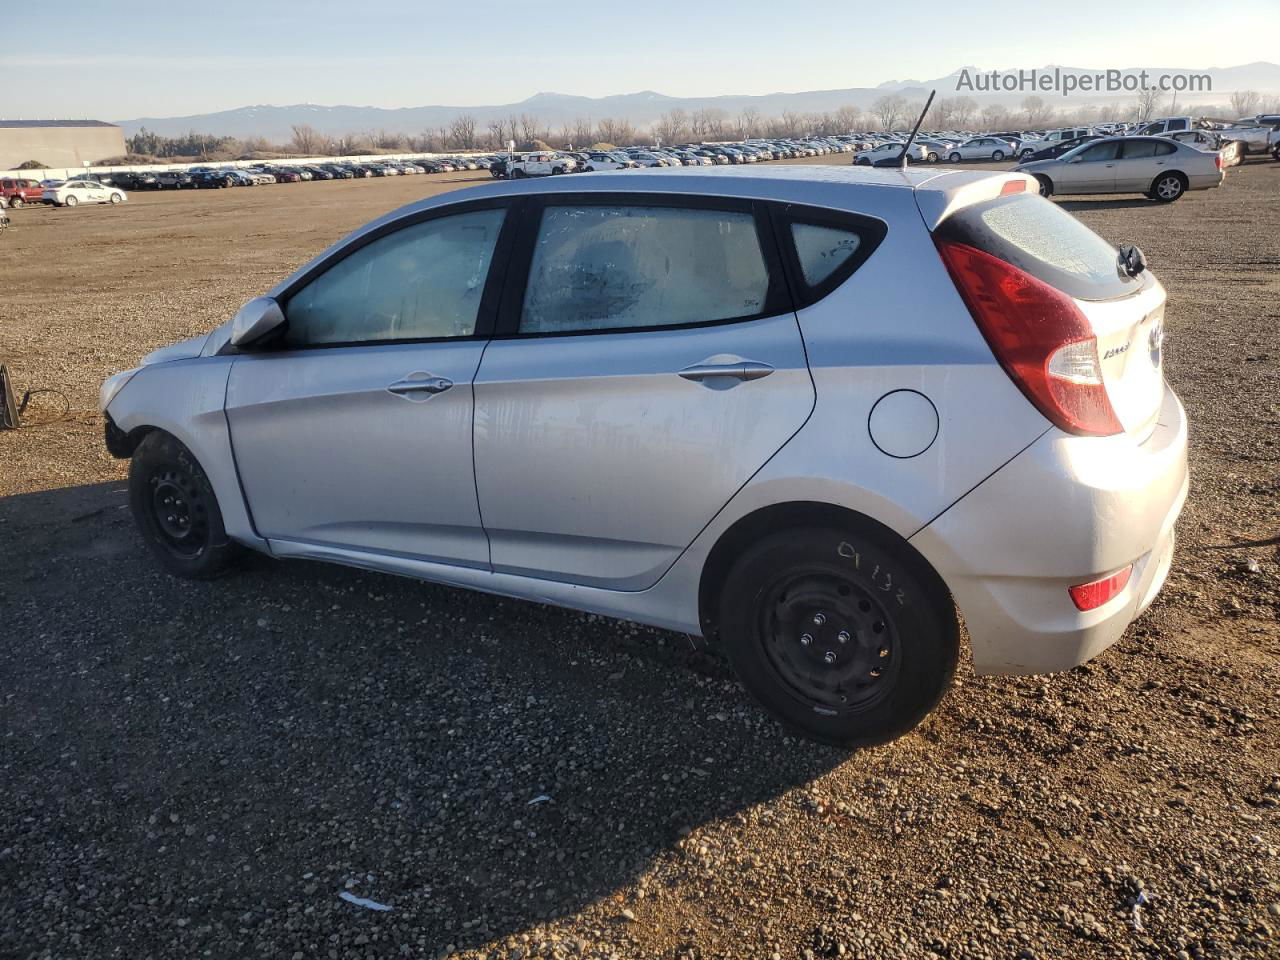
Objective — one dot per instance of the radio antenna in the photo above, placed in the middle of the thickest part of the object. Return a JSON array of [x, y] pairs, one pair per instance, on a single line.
[[902, 157]]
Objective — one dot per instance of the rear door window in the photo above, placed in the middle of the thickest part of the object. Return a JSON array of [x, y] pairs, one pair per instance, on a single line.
[[631, 266], [1040, 238]]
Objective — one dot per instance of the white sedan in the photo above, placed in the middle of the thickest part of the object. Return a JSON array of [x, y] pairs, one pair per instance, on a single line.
[[82, 191], [982, 148], [888, 154]]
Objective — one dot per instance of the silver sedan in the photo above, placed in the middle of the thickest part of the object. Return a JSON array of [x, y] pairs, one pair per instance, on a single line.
[[1160, 168]]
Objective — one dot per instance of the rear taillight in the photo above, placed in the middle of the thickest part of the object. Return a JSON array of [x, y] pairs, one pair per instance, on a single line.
[[1217, 159], [1091, 595], [1039, 336]]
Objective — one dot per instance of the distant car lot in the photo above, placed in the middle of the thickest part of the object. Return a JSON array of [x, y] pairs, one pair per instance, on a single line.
[[297, 731]]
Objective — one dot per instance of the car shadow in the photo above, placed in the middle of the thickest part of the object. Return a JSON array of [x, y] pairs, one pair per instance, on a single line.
[[234, 754]]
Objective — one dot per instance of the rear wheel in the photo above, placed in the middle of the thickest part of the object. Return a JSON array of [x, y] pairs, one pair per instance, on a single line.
[[176, 510], [933, 157], [70, 201], [846, 636], [997, 155], [1168, 187]]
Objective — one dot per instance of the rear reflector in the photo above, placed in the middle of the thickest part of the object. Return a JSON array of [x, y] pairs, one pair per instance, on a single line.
[[1090, 596], [1040, 337], [1013, 186]]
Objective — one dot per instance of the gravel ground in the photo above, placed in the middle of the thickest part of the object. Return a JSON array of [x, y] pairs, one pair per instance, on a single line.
[[202, 769]]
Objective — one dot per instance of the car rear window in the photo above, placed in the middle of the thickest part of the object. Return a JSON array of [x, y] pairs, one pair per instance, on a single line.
[[1041, 238]]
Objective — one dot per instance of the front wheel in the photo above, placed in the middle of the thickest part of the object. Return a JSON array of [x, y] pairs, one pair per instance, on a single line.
[[933, 157], [954, 158], [1045, 185], [1168, 188], [997, 155], [15, 202], [846, 636], [116, 198], [176, 510]]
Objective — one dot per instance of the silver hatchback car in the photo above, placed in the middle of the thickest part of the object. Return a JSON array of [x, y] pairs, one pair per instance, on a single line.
[[1162, 169], [816, 413]]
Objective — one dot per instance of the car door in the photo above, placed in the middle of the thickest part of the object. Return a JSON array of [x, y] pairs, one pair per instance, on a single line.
[[648, 363], [1141, 160], [353, 430], [1092, 170]]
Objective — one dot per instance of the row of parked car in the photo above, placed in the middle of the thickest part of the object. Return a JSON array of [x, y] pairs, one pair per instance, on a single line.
[[1230, 142]]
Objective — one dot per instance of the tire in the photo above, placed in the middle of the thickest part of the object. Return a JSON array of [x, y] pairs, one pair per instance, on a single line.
[[116, 198], [954, 158], [1168, 187], [176, 511], [70, 202], [1046, 185], [933, 157], [15, 202], [997, 155], [846, 636], [861, 162], [556, 171], [1026, 152]]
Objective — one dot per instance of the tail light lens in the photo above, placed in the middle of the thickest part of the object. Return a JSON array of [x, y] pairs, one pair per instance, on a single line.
[[1039, 336], [1090, 596], [1217, 159]]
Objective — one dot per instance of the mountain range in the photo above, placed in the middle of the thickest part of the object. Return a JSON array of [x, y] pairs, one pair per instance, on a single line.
[[642, 109]]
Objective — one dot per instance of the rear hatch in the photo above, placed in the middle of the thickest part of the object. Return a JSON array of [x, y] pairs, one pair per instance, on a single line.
[[1075, 329]]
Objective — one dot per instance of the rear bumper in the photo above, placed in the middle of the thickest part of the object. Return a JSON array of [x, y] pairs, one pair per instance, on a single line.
[[1065, 511]]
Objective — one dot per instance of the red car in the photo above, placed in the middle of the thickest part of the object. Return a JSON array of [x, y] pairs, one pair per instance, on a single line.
[[14, 192]]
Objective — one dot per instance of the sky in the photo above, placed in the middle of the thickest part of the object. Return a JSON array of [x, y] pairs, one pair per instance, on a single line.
[[109, 61]]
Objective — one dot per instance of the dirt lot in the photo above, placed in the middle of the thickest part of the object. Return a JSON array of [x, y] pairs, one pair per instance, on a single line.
[[200, 769]]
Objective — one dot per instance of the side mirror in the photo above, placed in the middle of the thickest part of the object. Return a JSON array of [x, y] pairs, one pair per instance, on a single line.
[[255, 320]]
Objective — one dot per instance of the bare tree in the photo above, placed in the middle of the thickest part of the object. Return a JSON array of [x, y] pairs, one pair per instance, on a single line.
[[618, 132], [671, 126], [1146, 104], [496, 129], [748, 123], [462, 130], [848, 118], [963, 110], [888, 111], [529, 128], [1036, 112], [1245, 102], [582, 131], [306, 140], [994, 115]]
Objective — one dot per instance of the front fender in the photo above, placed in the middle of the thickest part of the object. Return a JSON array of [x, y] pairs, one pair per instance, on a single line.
[[186, 398]]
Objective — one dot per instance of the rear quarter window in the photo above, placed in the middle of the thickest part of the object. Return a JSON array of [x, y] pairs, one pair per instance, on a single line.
[[1042, 239]]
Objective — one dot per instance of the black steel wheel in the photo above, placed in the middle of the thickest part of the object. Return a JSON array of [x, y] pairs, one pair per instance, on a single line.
[[847, 635], [177, 511], [829, 639]]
